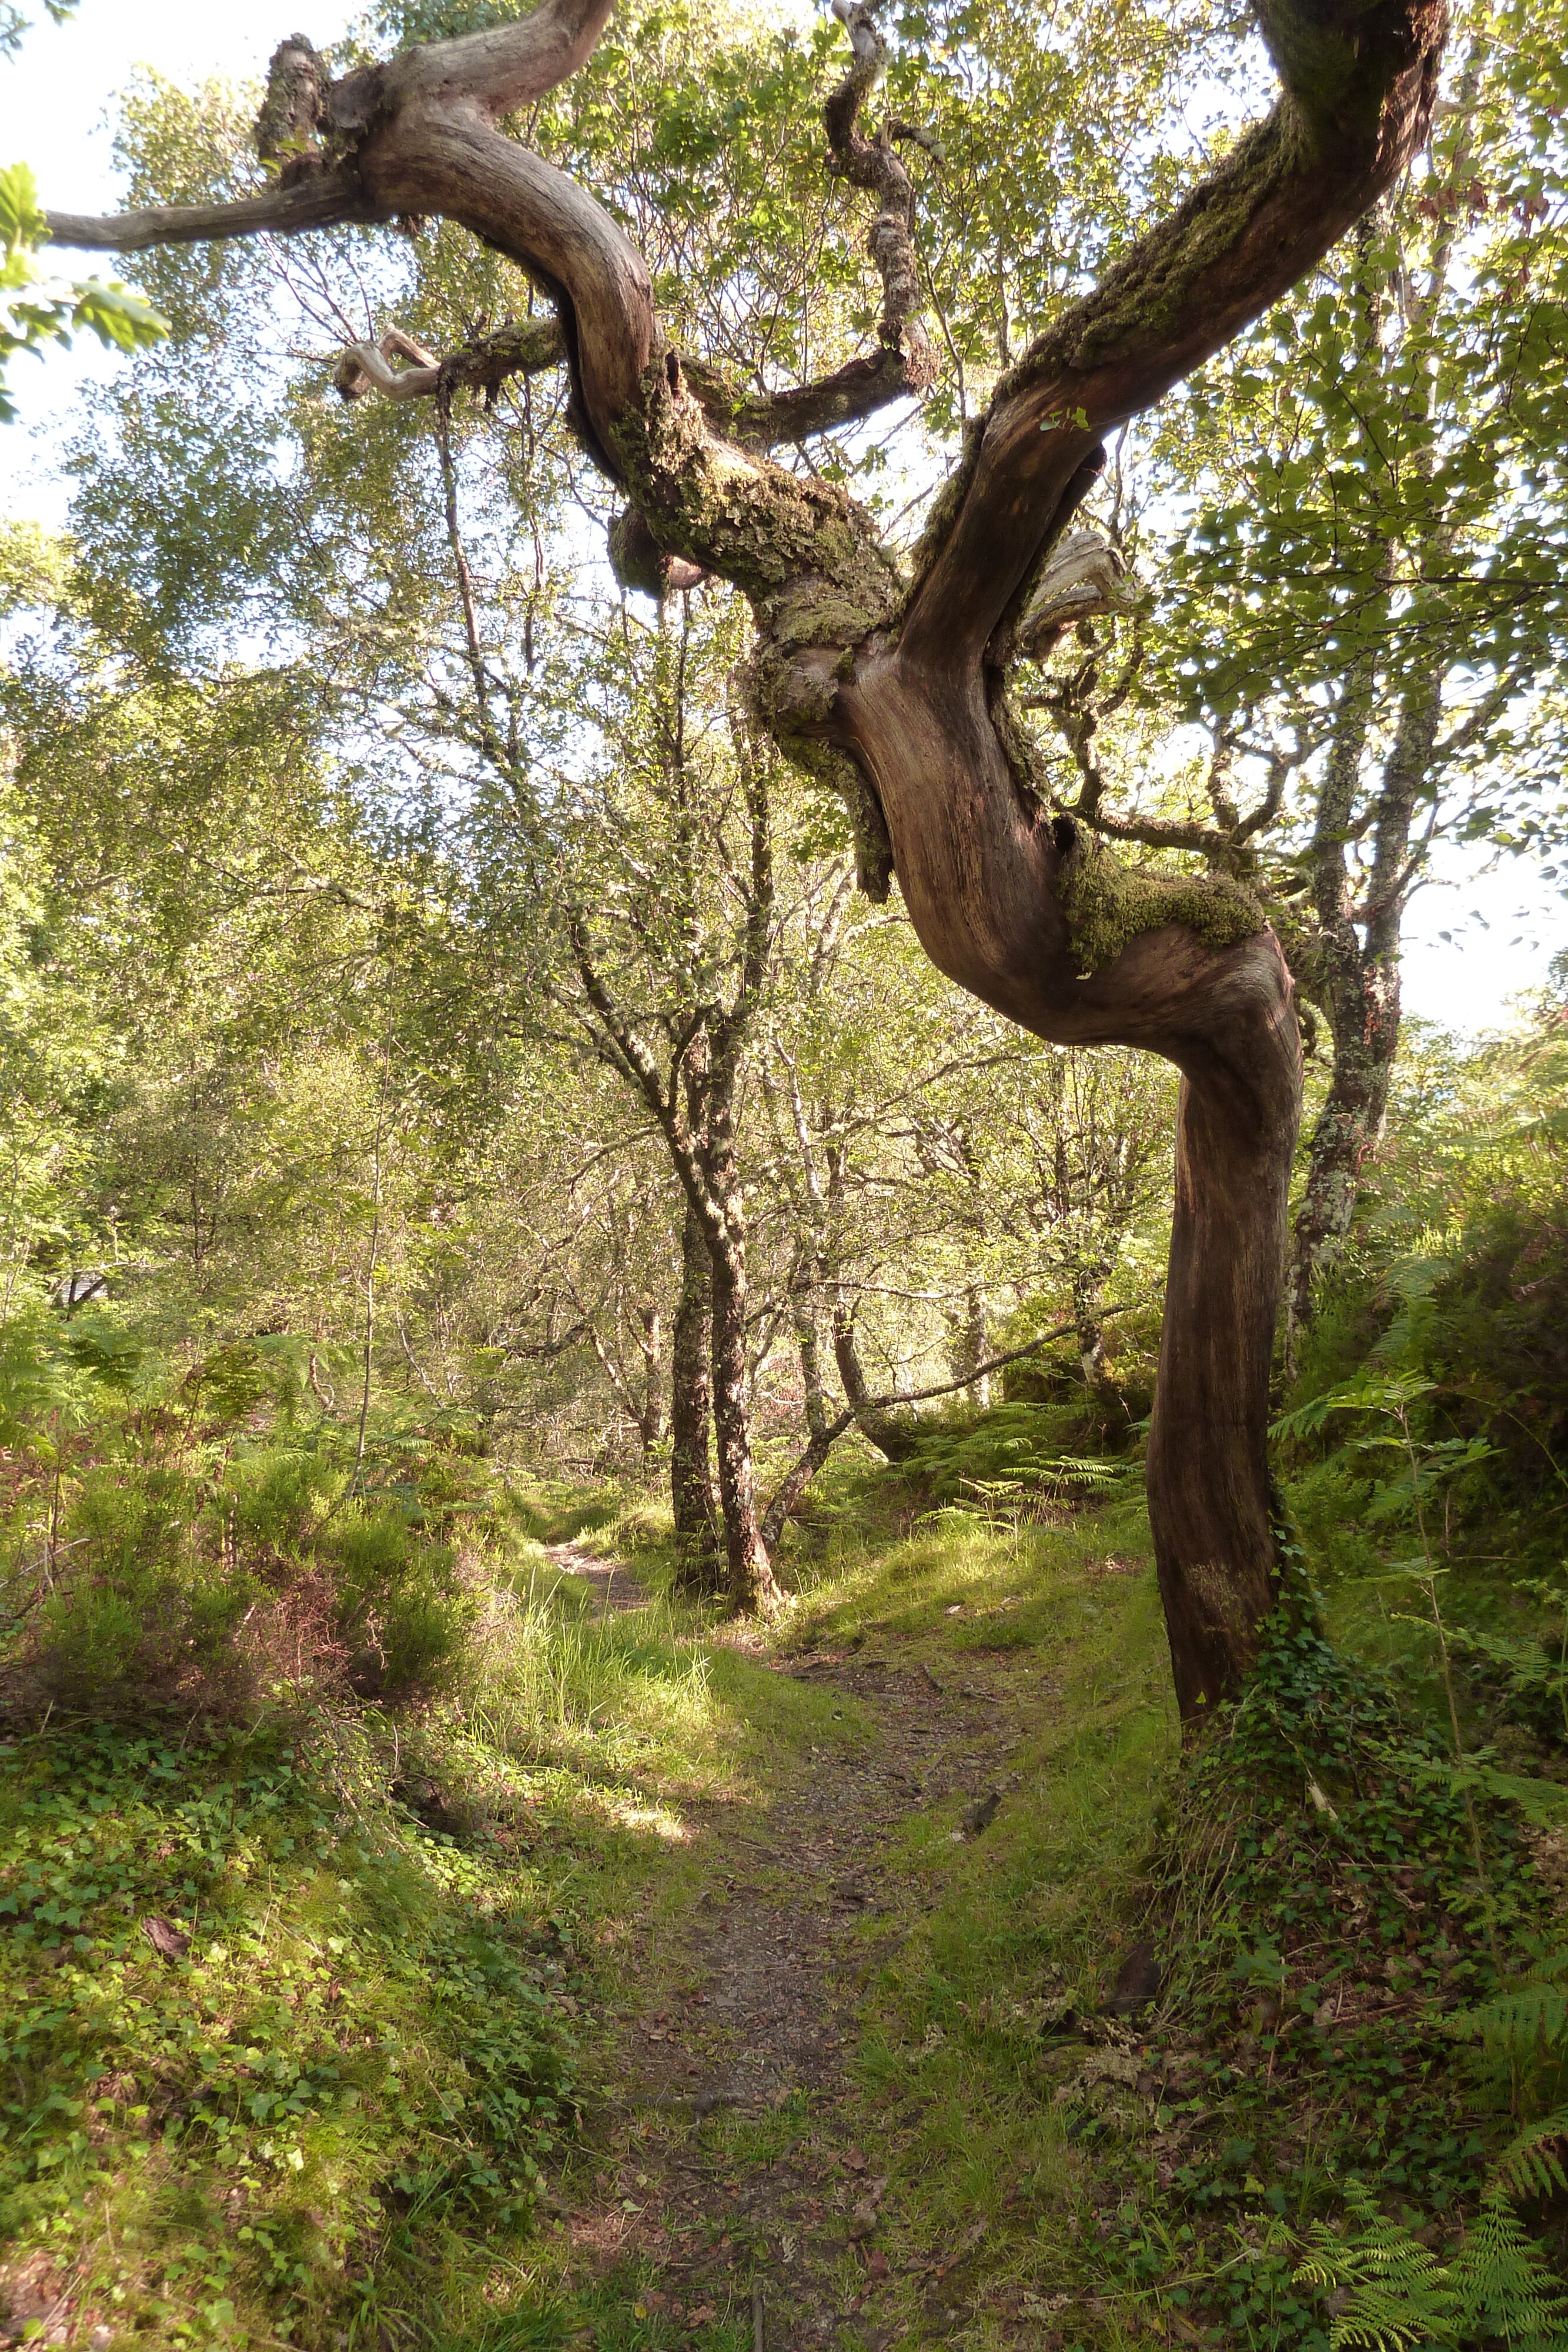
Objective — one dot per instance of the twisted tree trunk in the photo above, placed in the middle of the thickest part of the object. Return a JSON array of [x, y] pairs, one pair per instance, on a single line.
[[896, 687]]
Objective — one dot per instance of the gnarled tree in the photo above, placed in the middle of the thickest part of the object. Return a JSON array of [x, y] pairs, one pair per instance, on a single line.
[[891, 680]]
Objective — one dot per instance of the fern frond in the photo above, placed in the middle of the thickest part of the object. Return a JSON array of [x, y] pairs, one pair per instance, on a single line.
[[1532, 2165], [1499, 2286], [1516, 2021], [1397, 2290], [1375, 2320]]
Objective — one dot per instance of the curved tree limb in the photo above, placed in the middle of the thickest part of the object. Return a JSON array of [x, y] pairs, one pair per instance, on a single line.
[[527, 348], [874, 164], [326, 200], [849, 394], [1358, 88]]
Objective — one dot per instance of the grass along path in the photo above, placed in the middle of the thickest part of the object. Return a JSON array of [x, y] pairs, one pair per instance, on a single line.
[[762, 2159]]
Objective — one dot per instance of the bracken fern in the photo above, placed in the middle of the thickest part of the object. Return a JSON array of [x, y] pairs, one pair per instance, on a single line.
[[1496, 2289]]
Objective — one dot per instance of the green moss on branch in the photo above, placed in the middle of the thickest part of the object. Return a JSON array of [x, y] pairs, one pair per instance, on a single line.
[[1107, 904]]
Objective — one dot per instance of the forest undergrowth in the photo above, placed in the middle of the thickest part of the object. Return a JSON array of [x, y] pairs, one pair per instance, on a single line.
[[331, 2025]]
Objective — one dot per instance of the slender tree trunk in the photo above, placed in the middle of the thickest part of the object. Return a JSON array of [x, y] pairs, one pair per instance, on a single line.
[[1362, 1007], [809, 1341], [752, 1588], [970, 1345], [894, 1435], [751, 1582], [691, 1416], [1091, 1330], [1358, 986], [650, 1421]]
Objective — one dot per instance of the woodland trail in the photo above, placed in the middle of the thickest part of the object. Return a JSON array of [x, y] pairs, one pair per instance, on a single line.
[[616, 1589], [739, 2173]]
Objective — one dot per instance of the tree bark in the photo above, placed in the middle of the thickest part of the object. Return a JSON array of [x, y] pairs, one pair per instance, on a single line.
[[809, 1345], [752, 1589], [1356, 980], [1086, 1292], [1210, 1504], [691, 1416], [892, 1434], [972, 1346], [651, 1420]]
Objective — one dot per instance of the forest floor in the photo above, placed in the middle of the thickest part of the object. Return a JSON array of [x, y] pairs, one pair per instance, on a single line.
[[749, 2172], [768, 1918]]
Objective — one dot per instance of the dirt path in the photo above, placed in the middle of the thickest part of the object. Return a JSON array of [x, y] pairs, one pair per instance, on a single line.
[[734, 2170], [615, 1589]]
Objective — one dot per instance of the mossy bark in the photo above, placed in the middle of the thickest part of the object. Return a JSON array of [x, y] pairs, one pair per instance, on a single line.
[[691, 1417]]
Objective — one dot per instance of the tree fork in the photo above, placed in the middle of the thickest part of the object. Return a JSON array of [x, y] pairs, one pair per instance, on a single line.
[[895, 687]]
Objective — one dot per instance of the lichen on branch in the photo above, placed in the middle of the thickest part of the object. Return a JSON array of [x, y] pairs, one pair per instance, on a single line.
[[806, 558]]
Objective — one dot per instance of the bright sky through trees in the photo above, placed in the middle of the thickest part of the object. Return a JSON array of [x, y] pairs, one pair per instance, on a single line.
[[56, 108]]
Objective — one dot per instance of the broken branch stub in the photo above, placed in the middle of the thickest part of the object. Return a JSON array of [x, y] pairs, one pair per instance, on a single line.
[[1080, 580]]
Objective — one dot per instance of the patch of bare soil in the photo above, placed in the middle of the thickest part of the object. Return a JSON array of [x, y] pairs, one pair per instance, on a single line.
[[735, 2180], [614, 1588]]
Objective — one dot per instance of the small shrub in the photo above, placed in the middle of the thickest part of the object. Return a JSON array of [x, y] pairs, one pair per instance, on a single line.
[[169, 1554]]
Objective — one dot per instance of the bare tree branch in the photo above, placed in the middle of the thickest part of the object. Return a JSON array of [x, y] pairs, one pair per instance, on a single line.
[[322, 201], [874, 164]]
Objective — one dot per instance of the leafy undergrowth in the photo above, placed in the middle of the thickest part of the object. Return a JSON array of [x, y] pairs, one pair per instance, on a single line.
[[270, 2041], [1341, 2117]]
